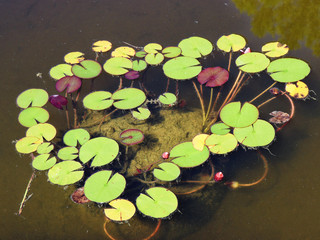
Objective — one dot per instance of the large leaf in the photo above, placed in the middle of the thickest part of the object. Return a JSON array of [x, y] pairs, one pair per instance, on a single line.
[[195, 47], [117, 66], [65, 173], [61, 70], [167, 171], [122, 210], [33, 97], [42, 130], [87, 69], [232, 42], [98, 100], [128, 98], [252, 62], [182, 68], [32, 116], [75, 136], [221, 144], [152, 48]]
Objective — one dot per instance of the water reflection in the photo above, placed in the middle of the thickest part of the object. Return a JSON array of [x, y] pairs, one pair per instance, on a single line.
[[294, 21]]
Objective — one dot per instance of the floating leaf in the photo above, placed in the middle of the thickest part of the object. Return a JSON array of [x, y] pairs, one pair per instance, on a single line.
[[78, 196], [43, 162], [154, 58], [122, 210], [45, 147], [195, 47], [117, 66], [65, 173], [33, 97], [182, 68], [198, 141], [68, 153], [28, 144], [61, 70], [152, 48], [279, 117], [261, 133], [288, 70], [158, 202], [298, 90], [98, 100], [131, 137], [101, 46], [171, 52], [32, 116], [234, 115], [221, 144], [275, 49], [168, 98], [75, 136], [128, 98], [220, 128], [252, 62], [58, 101], [139, 65], [167, 171], [141, 54], [125, 52], [232, 42], [142, 113], [213, 76], [101, 187], [132, 75], [42, 130], [185, 155], [74, 57], [71, 83], [87, 69], [103, 150]]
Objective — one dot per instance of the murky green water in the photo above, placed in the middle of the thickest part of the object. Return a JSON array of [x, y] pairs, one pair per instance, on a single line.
[[35, 35]]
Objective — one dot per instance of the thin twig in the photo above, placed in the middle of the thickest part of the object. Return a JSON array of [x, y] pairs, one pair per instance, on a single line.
[[260, 94]]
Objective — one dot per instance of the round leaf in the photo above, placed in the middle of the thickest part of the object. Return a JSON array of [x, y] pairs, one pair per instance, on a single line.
[[33, 97], [125, 52], [98, 100], [213, 76], [140, 54], [65, 173], [122, 210], [42, 130], [139, 65], [195, 47], [171, 52], [154, 58], [167, 171], [131, 137], [221, 144], [45, 147], [220, 128], [42, 162], [128, 98], [75, 136], [58, 101], [232, 42], [168, 98], [68, 153], [117, 66], [275, 49], [152, 48], [32, 116], [252, 62], [71, 83], [182, 68], [87, 69], [132, 75], [74, 57], [101, 46], [198, 141], [298, 90], [28, 144], [142, 113], [61, 70]]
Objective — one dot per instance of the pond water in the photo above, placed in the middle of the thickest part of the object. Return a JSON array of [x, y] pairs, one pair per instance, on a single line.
[[35, 35]]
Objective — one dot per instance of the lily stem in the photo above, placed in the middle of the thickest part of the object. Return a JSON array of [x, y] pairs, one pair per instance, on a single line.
[[260, 94]]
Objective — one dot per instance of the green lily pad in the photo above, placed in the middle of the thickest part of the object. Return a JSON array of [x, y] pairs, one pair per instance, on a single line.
[[124, 52], [158, 202], [103, 150], [168, 98], [182, 68], [142, 113], [275, 49], [75, 136], [234, 115], [195, 47], [87, 69], [154, 58], [141, 54], [221, 144], [33, 97], [68, 153], [42, 130], [288, 70], [32, 116], [101, 187], [28, 144], [252, 62], [122, 210], [220, 128], [152, 48], [45, 147], [128, 98], [98, 100], [261, 133], [186, 156], [117, 66], [232, 42], [61, 70], [167, 171], [139, 65], [171, 52], [131, 137], [43, 162], [65, 173]]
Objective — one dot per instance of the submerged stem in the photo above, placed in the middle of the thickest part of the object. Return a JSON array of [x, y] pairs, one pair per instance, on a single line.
[[201, 102], [229, 64]]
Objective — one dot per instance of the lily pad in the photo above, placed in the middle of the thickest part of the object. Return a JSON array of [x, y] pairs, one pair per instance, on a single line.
[[32, 116], [275, 49], [101, 46], [103, 150], [140, 54], [220, 128], [131, 137], [261, 133], [297, 90], [252, 62], [68, 153], [232, 42], [158, 202], [122, 210], [61, 70], [288, 70], [128, 98], [74, 57], [168, 98], [117, 66], [154, 58], [234, 115], [75, 136], [43, 162], [58, 101], [167, 171], [152, 48], [221, 144], [71, 83], [182, 68], [198, 141], [28, 144], [65, 173], [98, 100], [42, 130], [45, 147], [213, 76], [171, 52], [279, 117], [101, 187], [139, 65], [186, 156], [87, 69], [142, 113], [124, 52], [33, 97], [195, 47], [132, 75]]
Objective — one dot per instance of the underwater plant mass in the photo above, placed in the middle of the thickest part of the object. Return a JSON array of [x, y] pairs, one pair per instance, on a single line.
[[117, 153]]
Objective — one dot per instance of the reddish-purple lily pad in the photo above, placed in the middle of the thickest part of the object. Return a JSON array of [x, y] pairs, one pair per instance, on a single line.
[[279, 117], [78, 196], [58, 101], [132, 75], [213, 76], [131, 137], [71, 83]]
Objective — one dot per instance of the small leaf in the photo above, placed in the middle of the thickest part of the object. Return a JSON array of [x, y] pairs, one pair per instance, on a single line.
[[61, 70], [128, 98], [87, 69], [297, 90], [220, 128], [117, 66], [58, 101], [213, 76], [171, 52], [132, 75], [98, 100], [140, 54], [33, 97], [42, 162], [28, 144], [252, 62], [221, 144], [74, 57], [68, 153], [198, 141], [154, 58], [152, 48], [101, 46], [279, 117], [75, 136], [124, 52], [122, 210], [232, 42], [142, 113], [167, 171], [168, 98], [45, 147], [139, 65], [42, 130], [131, 137], [275, 49], [71, 83], [65, 173], [32, 116]]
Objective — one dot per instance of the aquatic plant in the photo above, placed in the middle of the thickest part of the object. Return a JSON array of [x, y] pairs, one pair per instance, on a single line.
[[86, 158]]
